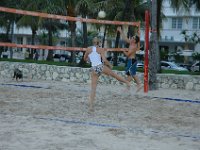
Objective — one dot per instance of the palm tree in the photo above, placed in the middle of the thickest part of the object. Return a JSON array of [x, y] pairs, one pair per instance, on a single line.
[[8, 20], [186, 37], [30, 21], [127, 11], [4, 24], [186, 4], [51, 25], [153, 54], [83, 8], [118, 10], [34, 23], [43, 38], [195, 3], [70, 7]]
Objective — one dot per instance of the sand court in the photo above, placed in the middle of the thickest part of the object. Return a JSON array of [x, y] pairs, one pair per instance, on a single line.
[[53, 115]]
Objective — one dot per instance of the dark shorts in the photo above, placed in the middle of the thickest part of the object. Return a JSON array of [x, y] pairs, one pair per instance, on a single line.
[[131, 67]]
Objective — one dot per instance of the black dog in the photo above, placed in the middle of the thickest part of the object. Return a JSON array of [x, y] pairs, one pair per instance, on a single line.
[[18, 74]]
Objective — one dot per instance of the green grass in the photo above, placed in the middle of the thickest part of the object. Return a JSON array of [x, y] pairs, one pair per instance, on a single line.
[[119, 68], [34, 61], [179, 72], [122, 68], [43, 62]]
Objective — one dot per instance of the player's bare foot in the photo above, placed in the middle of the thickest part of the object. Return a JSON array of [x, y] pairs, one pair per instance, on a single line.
[[139, 87], [91, 109], [128, 86]]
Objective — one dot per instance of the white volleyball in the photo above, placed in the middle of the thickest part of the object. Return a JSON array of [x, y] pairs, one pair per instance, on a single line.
[[101, 14]]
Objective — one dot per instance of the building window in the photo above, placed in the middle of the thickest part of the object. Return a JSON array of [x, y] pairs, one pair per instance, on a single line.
[[177, 23], [199, 23], [173, 23], [29, 41], [19, 40], [196, 23], [179, 26]]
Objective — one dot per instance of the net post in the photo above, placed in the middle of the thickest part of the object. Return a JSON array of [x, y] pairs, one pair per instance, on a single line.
[[146, 60]]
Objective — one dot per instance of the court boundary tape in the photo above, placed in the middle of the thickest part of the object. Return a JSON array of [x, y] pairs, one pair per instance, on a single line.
[[163, 98], [179, 100], [130, 129], [25, 86], [136, 130]]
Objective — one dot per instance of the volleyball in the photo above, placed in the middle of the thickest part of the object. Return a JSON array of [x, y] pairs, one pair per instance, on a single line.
[[101, 14]]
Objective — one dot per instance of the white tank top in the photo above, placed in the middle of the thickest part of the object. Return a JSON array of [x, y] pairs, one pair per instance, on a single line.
[[95, 58]]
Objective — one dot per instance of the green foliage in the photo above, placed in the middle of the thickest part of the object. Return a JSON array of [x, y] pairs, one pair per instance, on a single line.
[[42, 62], [196, 56], [179, 72], [163, 55], [178, 58], [119, 68]]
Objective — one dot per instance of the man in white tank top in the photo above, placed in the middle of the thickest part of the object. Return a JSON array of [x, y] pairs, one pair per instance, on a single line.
[[99, 65]]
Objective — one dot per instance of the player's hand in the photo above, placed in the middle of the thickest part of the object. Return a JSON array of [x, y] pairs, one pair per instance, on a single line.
[[119, 29]]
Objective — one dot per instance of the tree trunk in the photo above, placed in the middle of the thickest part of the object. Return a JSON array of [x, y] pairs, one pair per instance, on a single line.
[[50, 34], [85, 41], [7, 34], [116, 46], [12, 38], [153, 53], [104, 36], [33, 43], [125, 13], [73, 36]]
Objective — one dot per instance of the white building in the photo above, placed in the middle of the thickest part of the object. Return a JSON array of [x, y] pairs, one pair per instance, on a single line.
[[176, 22], [173, 24]]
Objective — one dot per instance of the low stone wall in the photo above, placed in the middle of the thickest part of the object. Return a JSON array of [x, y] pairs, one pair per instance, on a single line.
[[32, 71]]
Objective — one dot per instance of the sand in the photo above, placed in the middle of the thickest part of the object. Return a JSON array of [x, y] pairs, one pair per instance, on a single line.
[[52, 115]]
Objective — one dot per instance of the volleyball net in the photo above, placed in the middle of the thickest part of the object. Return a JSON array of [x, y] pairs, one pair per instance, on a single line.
[[64, 18]]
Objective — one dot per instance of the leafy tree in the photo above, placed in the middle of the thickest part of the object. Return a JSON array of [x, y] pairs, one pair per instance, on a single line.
[[178, 58], [7, 21], [69, 5], [30, 21], [43, 38], [83, 8], [51, 25], [195, 38], [196, 56], [186, 37], [154, 57], [123, 11]]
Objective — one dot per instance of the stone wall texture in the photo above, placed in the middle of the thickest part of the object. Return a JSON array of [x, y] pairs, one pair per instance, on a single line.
[[33, 71]]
